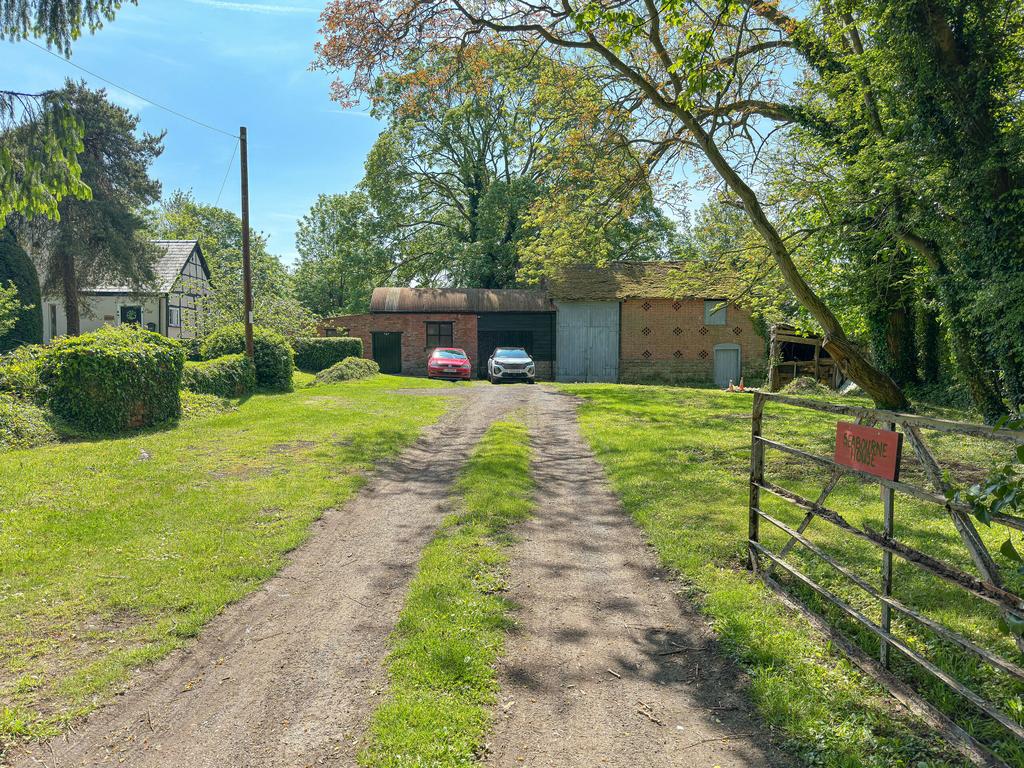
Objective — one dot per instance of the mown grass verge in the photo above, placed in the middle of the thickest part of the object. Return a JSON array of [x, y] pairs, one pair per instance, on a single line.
[[452, 628], [679, 460], [114, 552]]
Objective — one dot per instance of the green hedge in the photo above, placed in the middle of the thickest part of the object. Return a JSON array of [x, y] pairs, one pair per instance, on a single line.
[[317, 353], [114, 379], [19, 371], [193, 349], [275, 360], [22, 424], [348, 369], [227, 376], [16, 267]]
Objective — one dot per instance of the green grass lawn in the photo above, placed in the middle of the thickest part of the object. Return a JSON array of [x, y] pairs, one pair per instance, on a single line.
[[679, 459], [114, 552], [452, 628]]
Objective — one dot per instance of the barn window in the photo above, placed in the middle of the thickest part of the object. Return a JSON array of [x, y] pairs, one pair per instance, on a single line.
[[715, 312], [174, 317], [439, 334], [330, 331]]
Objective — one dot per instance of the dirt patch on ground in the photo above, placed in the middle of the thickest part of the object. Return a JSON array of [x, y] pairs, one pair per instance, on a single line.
[[609, 665], [286, 677]]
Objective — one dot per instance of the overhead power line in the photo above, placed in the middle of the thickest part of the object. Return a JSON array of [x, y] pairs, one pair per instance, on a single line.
[[174, 112], [227, 173]]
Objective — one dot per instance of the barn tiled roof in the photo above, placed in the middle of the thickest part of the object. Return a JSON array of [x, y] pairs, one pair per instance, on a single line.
[[172, 259], [459, 300], [635, 280]]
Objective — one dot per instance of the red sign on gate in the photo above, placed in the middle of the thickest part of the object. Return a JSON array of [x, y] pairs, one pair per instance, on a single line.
[[868, 449]]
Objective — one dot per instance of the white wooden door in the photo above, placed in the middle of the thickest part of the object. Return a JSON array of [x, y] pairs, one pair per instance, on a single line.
[[727, 365], [587, 341]]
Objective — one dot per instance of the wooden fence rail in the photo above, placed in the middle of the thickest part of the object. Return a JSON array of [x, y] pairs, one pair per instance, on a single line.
[[987, 586]]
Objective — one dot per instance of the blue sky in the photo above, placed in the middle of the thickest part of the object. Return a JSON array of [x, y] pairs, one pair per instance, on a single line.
[[226, 63]]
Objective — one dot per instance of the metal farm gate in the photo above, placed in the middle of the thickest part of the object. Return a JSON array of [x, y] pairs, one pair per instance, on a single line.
[[872, 455], [587, 341]]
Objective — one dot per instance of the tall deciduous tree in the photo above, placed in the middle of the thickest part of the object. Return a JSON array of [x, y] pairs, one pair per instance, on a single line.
[[696, 76], [100, 240]]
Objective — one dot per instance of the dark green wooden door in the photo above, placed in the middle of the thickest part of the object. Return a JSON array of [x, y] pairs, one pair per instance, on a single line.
[[387, 351]]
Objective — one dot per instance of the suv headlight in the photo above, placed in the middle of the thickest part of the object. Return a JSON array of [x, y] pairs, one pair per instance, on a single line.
[[497, 368], [529, 368]]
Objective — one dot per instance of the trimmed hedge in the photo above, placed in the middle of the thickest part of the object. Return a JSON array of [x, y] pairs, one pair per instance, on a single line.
[[23, 425], [16, 267], [114, 379], [19, 371], [274, 358], [193, 349], [348, 369], [317, 353], [227, 376]]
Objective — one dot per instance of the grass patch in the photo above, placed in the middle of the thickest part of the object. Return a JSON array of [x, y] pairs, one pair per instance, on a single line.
[[114, 552], [452, 629], [679, 460]]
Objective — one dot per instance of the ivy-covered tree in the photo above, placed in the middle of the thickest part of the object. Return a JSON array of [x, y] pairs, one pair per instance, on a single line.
[[23, 321], [100, 240]]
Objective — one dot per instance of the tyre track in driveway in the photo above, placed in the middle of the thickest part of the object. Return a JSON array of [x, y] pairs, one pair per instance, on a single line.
[[287, 676], [608, 666]]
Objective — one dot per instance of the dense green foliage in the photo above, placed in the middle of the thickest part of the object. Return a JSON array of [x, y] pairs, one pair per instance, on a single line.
[[348, 369], [23, 424], [450, 633], [219, 233], [315, 353], [273, 355], [226, 376], [16, 269], [114, 379], [99, 240], [19, 371]]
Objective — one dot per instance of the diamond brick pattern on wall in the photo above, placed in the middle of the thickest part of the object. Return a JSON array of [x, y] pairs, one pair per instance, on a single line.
[[677, 306], [677, 331], [647, 354], [646, 331], [646, 305], [703, 330], [677, 354], [703, 355], [737, 330]]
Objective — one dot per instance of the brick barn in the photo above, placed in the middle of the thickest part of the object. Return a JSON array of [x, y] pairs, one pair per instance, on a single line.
[[632, 322]]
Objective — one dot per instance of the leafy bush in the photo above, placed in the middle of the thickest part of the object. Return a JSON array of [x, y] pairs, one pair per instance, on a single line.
[[114, 379], [274, 357], [317, 353], [16, 267], [19, 371], [198, 406], [193, 348], [348, 369], [227, 376], [22, 424]]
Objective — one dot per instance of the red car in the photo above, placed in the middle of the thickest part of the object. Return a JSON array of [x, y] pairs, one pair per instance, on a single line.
[[449, 363]]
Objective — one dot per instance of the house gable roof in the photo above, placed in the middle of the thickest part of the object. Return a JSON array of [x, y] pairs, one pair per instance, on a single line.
[[621, 280], [174, 255], [455, 300]]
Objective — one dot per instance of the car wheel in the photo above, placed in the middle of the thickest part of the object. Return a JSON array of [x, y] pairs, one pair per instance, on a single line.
[[531, 381]]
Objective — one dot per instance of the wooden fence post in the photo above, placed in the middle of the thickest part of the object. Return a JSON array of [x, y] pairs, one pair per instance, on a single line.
[[888, 503], [756, 478]]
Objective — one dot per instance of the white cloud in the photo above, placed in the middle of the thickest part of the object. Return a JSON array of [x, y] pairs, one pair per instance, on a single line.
[[124, 99], [237, 5]]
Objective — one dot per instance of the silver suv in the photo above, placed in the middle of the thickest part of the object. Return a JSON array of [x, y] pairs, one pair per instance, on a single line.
[[510, 364]]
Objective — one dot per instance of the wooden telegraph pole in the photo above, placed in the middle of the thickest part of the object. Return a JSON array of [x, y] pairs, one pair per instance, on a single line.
[[246, 265]]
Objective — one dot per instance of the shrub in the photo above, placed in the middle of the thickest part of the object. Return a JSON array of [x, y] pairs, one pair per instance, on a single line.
[[227, 376], [274, 357], [19, 371], [193, 348], [22, 424], [348, 369], [114, 379], [16, 267], [317, 353], [198, 406]]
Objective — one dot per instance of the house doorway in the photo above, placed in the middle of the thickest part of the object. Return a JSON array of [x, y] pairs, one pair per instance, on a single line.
[[727, 365], [131, 315], [387, 351]]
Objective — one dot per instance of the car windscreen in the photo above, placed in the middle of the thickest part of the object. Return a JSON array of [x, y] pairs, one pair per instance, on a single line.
[[511, 354], [449, 354]]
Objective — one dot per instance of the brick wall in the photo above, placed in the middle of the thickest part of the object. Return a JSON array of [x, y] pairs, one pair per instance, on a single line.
[[413, 328], [666, 340]]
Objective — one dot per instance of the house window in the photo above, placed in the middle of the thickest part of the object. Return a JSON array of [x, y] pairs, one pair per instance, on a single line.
[[330, 331], [174, 317], [715, 312], [439, 335]]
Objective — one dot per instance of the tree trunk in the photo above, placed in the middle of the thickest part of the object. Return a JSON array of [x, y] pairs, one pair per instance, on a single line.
[[69, 281]]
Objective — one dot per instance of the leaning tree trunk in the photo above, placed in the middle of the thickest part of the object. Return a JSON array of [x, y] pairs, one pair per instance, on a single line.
[[69, 282]]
